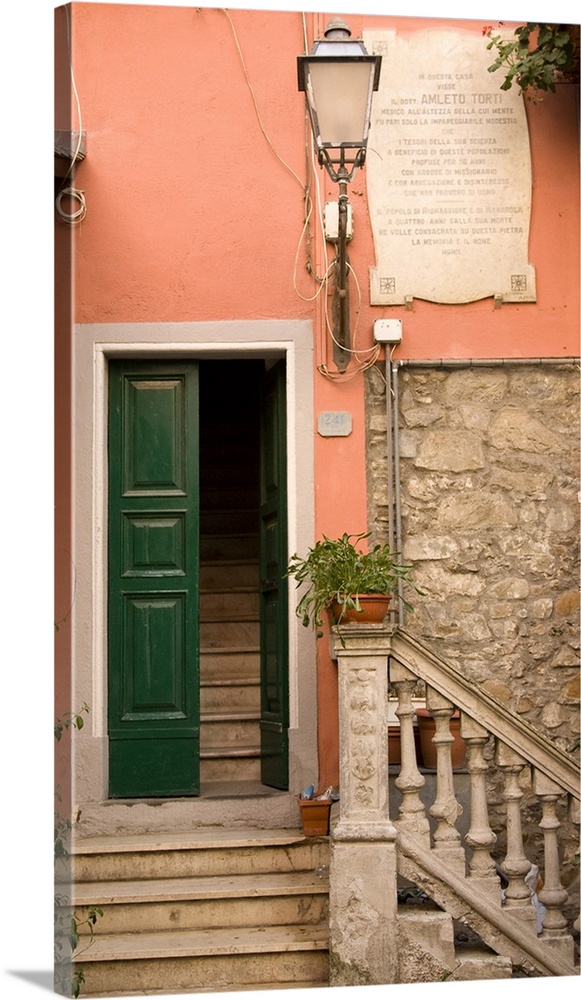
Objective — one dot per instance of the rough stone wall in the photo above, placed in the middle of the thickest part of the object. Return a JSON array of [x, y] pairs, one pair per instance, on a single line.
[[489, 460], [489, 463]]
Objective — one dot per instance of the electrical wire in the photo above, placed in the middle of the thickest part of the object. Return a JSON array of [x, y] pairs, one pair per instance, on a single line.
[[322, 280], [304, 187], [254, 101], [72, 218], [79, 214]]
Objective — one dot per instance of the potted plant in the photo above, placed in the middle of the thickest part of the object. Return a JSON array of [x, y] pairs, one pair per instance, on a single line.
[[315, 810], [343, 579]]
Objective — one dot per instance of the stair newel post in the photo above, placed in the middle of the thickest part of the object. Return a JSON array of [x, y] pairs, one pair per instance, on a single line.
[[553, 895], [363, 871], [515, 865], [412, 812], [446, 809], [480, 837]]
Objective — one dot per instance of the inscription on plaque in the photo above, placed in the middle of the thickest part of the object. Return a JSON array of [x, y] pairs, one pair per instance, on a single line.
[[334, 423], [448, 174]]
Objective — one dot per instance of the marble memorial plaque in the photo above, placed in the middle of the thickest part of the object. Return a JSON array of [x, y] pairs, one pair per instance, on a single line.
[[448, 174]]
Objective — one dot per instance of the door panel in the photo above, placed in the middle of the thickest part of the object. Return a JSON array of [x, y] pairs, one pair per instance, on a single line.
[[153, 579], [273, 584]]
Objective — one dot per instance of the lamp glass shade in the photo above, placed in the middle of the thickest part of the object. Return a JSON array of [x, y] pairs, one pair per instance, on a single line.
[[339, 93]]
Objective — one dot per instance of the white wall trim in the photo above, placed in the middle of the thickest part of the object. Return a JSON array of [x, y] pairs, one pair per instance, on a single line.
[[93, 345]]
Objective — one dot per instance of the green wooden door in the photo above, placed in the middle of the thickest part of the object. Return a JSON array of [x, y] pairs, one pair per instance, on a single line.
[[153, 667], [273, 584]]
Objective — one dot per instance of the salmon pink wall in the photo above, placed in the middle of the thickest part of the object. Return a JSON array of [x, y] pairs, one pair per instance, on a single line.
[[194, 182]]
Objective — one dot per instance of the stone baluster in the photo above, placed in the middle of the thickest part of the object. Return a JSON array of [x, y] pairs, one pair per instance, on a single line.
[[515, 865], [446, 809], [480, 837], [553, 896], [412, 812], [573, 815]]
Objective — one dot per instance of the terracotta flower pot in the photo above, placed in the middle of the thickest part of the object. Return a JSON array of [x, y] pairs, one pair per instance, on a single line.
[[374, 608], [427, 729], [394, 745], [315, 816]]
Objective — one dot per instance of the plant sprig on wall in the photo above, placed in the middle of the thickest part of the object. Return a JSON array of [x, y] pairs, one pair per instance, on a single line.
[[67, 922], [536, 57]]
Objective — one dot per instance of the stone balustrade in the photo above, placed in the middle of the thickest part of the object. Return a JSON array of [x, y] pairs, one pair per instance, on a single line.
[[520, 907]]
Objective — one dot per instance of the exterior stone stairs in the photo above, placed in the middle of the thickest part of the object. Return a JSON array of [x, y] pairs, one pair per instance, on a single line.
[[228, 910], [215, 910], [517, 915]]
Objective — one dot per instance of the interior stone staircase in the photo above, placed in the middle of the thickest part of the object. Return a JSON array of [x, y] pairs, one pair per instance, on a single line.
[[229, 580], [229, 667]]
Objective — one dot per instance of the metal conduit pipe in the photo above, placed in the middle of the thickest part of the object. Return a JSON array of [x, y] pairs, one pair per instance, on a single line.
[[481, 362], [392, 413], [391, 423]]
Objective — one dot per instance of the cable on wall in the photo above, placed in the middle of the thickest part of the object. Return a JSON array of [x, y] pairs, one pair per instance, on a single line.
[[66, 190], [74, 195], [305, 188], [309, 209]]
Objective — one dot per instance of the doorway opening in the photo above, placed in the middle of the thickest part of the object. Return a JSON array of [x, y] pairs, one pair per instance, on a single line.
[[198, 617], [230, 394]]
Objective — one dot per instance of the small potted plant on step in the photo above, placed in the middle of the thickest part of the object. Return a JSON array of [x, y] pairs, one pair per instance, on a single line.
[[354, 586]]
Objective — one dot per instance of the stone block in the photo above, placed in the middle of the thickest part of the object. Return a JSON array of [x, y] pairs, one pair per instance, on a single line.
[[472, 512], [450, 451], [478, 965], [429, 546], [362, 913], [519, 430], [513, 588], [498, 690], [425, 944], [568, 603], [485, 385]]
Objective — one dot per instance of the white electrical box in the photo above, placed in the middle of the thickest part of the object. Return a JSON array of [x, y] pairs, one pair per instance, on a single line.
[[387, 331], [331, 221]]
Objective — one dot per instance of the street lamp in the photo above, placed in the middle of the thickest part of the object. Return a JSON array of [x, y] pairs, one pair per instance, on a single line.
[[338, 78]]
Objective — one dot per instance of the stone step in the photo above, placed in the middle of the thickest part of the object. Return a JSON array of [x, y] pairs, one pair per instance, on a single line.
[[228, 634], [235, 730], [232, 472], [233, 521], [224, 696], [238, 604], [230, 766], [477, 964], [428, 942], [190, 960], [207, 851], [228, 664], [230, 751], [238, 497], [233, 805], [254, 987], [205, 902], [229, 573], [227, 547]]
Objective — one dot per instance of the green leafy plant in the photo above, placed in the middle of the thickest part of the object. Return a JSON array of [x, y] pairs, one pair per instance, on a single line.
[[336, 570], [535, 57], [74, 719], [68, 924]]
